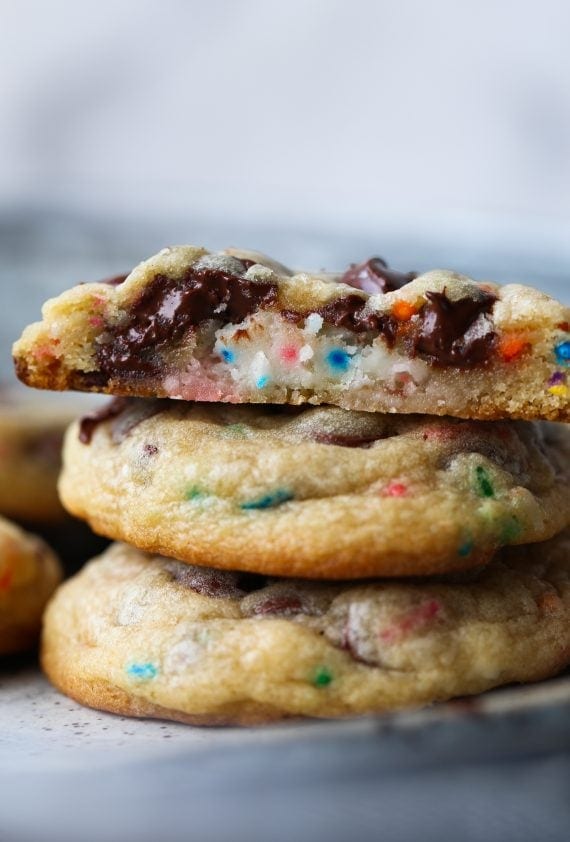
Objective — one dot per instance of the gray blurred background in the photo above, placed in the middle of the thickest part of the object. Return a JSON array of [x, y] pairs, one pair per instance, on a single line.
[[435, 134]]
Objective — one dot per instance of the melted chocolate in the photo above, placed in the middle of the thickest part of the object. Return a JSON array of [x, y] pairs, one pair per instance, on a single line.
[[89, 423], [444, 336], [169, 307], [348, 312], [374, 276]]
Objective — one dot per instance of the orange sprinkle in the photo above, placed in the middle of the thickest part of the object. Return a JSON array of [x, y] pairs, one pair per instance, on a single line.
[[549, 602], [512, 348], [403, 311]]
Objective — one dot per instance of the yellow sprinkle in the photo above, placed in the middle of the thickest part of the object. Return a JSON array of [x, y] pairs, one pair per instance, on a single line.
[[559, 391]]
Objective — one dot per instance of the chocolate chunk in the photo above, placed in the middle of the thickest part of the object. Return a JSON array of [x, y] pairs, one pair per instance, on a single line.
[[89, 423], [374, 276], [452, 333], [348, 312], [277, 604], [135, 412], [169, 307], [216, 584]]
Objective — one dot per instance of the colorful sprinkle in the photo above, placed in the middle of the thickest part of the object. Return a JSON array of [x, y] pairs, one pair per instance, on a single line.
[[403, 311], [194, 493], [142, 672], [413, 621], [510, 530], [557, 378], [269, 500], [322, 676], [559, 391], [6, 580], [227, 355], [562, 353], [262, 381], [395, 489], [466, 548], [338, 359], [96, 321], [289, 353], [512, 347], [484, 484]]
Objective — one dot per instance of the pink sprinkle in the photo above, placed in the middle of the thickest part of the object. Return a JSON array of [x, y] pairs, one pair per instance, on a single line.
[[44, 351], [395, 489], [411, 622], [96, 321], [289, 353]]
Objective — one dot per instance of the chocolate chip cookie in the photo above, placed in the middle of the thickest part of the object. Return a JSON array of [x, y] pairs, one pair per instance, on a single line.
[[236, 327], [317, 492], [147, 636]]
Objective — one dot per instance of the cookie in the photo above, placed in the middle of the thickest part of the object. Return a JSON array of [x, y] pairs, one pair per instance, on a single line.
[[236, 327], [29, 573], [147, 636], [317, 492], [31, 438]]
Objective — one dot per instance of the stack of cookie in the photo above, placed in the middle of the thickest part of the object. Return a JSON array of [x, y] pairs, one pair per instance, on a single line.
[[354, 504]]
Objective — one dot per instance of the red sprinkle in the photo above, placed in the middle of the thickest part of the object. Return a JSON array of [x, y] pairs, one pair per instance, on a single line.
[[411, 622], [395, 489], [512, 348], [289, 353]]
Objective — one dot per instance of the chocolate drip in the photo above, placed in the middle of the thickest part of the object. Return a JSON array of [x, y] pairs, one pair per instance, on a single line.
[[449, 334], [169, 307], [374, 276], [89, 423]]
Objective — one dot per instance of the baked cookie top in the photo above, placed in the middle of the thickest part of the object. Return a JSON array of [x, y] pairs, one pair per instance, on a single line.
[[314, 491], [29, 573], [148, 636], [236, 326]]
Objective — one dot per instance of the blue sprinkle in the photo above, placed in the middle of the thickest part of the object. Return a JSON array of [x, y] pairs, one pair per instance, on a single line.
[[144, 672], [338, 359], [562, 353], [227, 355], [269, 500], [262, 381], [466, 548]]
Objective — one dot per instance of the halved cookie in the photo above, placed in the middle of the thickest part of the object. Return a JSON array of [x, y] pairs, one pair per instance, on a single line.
[[235, 326]]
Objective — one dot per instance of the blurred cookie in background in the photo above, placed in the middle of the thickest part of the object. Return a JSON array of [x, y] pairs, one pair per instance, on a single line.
[[29, 574], [31, 437]]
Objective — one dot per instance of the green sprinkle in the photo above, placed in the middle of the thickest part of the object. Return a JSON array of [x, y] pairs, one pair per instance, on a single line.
[[194, 493], [322, 677], [466, 548], [511, 529], [484, 484], [234, 431], [268, 500]]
